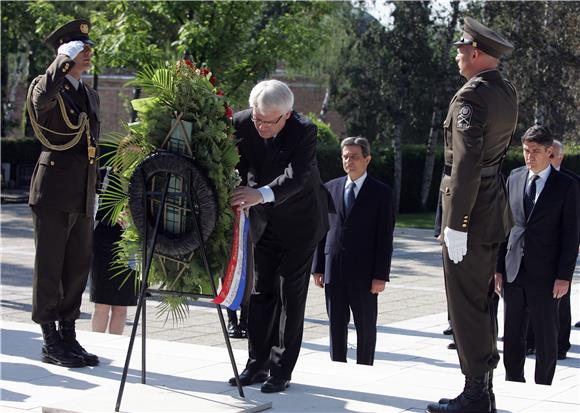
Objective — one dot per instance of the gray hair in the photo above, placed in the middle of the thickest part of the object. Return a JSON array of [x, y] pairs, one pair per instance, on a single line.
[[364, 144], [271, 96], [558, 146]]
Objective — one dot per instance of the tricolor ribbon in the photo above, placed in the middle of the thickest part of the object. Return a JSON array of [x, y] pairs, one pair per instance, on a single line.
[[234, 283]]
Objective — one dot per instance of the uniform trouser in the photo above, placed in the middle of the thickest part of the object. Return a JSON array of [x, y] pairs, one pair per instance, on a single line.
[[564, 323], [525, 303], [469, 287], [340, 300], [277, 304], [61, 266]]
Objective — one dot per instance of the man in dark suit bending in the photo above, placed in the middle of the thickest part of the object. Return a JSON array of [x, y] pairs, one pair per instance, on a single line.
[[537, 262], [353, 262], [288, 216]]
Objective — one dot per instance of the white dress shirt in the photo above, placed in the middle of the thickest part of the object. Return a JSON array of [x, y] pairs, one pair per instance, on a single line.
[[540, 181], [359, 183]]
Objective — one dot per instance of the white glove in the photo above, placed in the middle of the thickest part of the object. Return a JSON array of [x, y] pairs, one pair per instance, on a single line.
[[71, 49], [456, 242]]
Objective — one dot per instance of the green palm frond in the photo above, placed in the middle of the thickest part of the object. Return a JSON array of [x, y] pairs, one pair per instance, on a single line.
[[157, 81], [176, 307], [114, 200]]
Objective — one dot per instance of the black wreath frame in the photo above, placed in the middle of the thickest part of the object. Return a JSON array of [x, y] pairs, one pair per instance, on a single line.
[[158, 164]]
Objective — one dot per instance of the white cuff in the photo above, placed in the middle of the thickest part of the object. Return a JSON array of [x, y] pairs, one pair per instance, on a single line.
[[267, 194]]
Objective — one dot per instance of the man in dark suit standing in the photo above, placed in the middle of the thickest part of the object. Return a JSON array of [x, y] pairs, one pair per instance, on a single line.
[[564, 310], [65, 117], [475, 215], [288, 216], [353, 261], [536, 264]]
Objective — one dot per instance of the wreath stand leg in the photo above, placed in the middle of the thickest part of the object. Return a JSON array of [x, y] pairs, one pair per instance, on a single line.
[[149, 248]]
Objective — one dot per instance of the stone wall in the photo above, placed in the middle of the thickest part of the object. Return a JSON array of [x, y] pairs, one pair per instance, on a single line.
[[115, 97]]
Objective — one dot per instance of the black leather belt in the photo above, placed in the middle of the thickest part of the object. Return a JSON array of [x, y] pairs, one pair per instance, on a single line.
[[486, 171]]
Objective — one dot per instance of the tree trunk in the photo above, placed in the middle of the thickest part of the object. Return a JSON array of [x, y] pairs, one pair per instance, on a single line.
[[324, 108], [438, 91], [430, 156], [398, 172]]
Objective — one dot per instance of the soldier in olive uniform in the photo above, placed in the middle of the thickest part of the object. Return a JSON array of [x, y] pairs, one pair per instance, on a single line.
[[65, 117], [475, 216]]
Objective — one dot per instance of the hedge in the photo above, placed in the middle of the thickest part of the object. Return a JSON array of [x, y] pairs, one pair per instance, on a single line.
[[381, 167], [21, 151]]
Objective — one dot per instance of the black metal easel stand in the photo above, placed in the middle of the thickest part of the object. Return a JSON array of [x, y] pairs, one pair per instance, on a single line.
[[148, 250]]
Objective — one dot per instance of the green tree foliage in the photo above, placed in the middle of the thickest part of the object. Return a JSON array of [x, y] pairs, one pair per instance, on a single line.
[[545, 63]]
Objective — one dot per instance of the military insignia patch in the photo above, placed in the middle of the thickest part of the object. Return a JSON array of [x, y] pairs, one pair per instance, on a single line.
[[464, 117]]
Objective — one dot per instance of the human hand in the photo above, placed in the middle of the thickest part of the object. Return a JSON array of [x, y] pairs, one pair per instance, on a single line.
[[560, 288], [498, 283], [246, 197], [318, 280], [456, 242], [71, 49], [378, 286]]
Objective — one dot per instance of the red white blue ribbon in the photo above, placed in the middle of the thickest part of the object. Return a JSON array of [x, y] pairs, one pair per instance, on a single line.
[[234, 283]]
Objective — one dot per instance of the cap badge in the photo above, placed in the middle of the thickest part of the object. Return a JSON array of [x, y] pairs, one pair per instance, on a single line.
[[84, 28]]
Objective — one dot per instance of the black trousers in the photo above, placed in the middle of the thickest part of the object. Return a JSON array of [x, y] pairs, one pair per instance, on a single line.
[[277, 304], [564, 326], [469, 288], [341, 298], [62, 262], [525, 303]]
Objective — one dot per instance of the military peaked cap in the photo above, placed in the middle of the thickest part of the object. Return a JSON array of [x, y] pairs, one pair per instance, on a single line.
[[74, 30], [483, 38]]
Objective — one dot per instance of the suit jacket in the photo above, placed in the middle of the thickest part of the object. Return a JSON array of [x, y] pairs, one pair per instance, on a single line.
[[358, 247], [547, 242], [64, 180], [299, 215], [481, 119]]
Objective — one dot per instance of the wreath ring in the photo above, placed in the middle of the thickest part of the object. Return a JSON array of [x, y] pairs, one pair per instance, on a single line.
[[184, 240]]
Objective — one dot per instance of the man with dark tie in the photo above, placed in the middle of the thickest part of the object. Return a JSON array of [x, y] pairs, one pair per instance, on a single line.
[[536, 263], [288, 216], [564, 310], [353, 261], [64, 113]]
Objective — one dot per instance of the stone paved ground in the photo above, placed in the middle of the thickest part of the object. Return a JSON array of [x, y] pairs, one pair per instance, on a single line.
[[416, 288]]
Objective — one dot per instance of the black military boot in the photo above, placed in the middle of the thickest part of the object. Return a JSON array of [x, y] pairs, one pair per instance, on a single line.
[[473, 399], [54, 351], [489, 390], [69, 337]]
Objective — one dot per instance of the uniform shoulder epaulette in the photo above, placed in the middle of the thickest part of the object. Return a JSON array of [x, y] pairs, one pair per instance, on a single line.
[[473, 83]]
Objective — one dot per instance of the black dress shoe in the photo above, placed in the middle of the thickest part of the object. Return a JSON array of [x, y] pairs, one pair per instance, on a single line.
[[530, 351], [448, 331], [452, 346], [577, 325], [561, 356], [250, 376], [275, 385]]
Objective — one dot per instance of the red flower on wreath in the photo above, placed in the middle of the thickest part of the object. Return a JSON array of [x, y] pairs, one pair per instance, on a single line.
[[204, 71], [212, 80], [219, 92], [189, 63], [229, 112]]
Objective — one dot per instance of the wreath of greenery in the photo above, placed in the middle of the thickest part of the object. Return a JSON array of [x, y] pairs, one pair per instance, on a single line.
[[175, 93]]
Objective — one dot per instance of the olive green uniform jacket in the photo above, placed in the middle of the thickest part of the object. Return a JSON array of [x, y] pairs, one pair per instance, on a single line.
[[64, 180]]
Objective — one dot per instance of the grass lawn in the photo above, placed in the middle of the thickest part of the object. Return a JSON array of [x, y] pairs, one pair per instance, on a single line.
[[425, 220]]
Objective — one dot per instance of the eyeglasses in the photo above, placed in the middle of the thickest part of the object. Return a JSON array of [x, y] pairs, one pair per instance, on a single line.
[[266, 122]]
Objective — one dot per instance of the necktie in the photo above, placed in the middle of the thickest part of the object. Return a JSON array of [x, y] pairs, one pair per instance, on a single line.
[[349, 198], [530, 198]]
